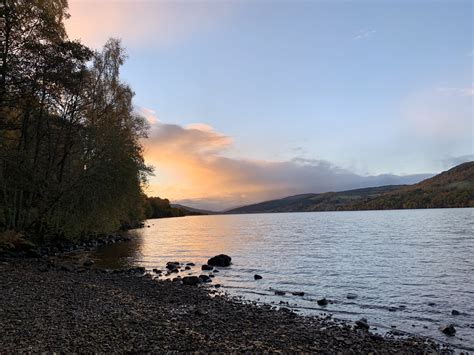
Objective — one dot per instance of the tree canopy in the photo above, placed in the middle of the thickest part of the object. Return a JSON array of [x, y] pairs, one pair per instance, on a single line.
[[71, 163]]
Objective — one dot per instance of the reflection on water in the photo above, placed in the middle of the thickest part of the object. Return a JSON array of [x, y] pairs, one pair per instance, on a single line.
[[408, 268]]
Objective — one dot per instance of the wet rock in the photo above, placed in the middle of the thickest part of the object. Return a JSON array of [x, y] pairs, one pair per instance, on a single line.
[[455, 312], [323, 302], [215, 270], [280, 293], [257, 277], [298, 293], [220, 260], [190, 264], [392, 309], [205, 278], [156, 271], [187, 268], [177, 279], [448, 329], [172, 265], [431, 304], [362, 324], [191, 280], [137, 270], [207, 267], [351, 296]]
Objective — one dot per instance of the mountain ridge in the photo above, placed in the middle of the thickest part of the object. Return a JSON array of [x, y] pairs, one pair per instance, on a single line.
[[451, 188]]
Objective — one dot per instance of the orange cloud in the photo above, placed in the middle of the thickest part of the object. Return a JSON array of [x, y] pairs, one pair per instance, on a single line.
[[142, 22], [191, 168]]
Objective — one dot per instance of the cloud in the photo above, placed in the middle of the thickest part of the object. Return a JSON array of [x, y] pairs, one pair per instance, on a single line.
[[450, 162], [191, 168], [469, 91], [149, 114], [155, 22], [364, 34]]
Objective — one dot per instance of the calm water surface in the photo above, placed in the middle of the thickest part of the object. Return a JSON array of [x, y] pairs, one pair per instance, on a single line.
[[420, 263]]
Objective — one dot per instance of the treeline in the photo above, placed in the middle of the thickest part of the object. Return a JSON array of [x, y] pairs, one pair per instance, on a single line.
[[71, 163], [161, 208]]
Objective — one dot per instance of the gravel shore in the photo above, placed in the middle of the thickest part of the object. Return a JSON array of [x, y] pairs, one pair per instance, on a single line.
[[51, 307]]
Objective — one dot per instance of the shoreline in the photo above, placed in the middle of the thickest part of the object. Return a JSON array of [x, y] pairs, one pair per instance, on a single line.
[[52, 305]]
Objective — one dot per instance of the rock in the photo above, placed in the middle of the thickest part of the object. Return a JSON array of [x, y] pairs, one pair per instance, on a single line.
[[88, 262], [257, 277], [191, 280], [205, 278], [43, 268], [207, 267], [280, 293], [298, 293], [363, 324], [323, 302], [455, 313], [431, 304], [190, 264], [177, 279], [448, 330], [67, 268], [351, 296], [138, 270], [156, 271], [187, 268], [215, 270], [392, 309], [172, 265], [220, 260]]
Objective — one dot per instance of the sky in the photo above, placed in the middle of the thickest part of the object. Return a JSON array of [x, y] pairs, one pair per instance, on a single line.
[[256, 99]]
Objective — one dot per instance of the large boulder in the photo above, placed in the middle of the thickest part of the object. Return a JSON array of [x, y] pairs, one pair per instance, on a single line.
[[220, 260]]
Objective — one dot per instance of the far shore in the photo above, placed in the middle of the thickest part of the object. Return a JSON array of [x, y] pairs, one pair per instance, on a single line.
[[58, 305]]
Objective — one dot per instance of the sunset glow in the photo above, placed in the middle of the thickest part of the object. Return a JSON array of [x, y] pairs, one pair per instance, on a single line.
[[252, 100]]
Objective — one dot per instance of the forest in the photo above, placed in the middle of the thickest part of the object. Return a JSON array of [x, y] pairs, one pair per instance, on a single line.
[[71, 162]]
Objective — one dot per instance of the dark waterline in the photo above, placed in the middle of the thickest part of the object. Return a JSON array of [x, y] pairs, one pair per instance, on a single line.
[[409, 268]]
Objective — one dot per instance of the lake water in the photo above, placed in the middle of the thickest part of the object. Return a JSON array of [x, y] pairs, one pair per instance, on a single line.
[[409, 268]]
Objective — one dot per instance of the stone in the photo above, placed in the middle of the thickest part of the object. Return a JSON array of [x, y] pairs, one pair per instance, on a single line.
[[392, 309], [257, 277], [220, 260], [455, 312], [205, 278], [88, 262], [323, 302], [190, 264], [191, 280], [207, 267], [363, 324], [280, 293], [351, 296], [187, 268], [298, 293], [156, 271], [448, 329]]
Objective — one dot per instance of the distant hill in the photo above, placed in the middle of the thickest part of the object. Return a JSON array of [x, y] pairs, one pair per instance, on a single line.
[[452, 188], [192, 209]]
